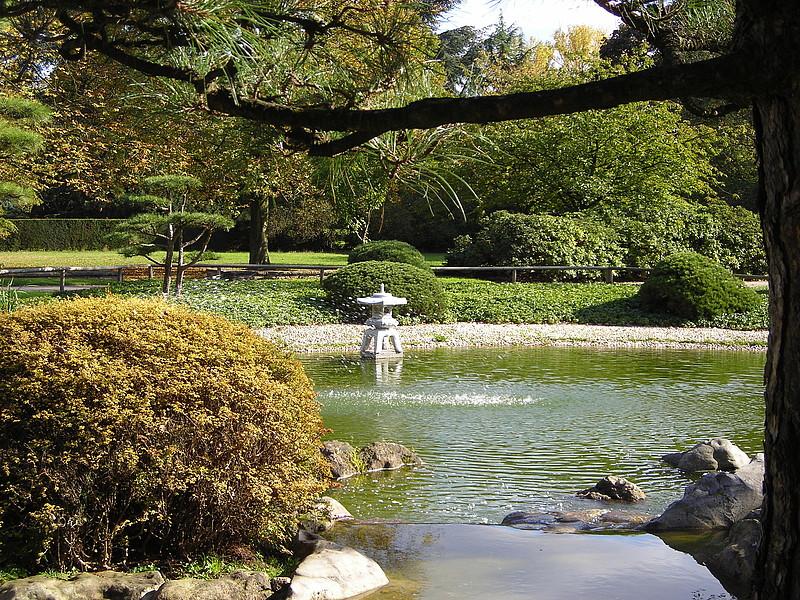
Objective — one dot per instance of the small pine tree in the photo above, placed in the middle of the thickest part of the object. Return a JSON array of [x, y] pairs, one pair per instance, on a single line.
[[171, 227], [17, 138]]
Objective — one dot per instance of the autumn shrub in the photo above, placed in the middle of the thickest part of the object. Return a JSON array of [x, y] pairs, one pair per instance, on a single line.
[[134, 430], [427, 301], [692, 286], [516, 239], [391, 250]]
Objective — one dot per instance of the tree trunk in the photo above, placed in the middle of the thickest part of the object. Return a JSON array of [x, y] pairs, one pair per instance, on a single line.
[[259, 231], [168, 259], [778, 128]]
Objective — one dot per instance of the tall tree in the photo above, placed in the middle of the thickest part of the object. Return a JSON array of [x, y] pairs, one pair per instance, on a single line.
[[758, 66]]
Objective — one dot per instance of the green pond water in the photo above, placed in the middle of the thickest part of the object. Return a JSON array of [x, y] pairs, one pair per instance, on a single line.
[[502, 430]]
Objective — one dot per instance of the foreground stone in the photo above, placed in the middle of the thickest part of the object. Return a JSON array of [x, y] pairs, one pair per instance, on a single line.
[[86, 586], [334, 572], [718, 454], [716, 501], [345, 461], [239, 585], [613, 488], [575, 521]]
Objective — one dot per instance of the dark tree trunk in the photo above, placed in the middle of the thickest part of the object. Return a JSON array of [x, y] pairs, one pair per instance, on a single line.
[[778, 566], [259, 231]]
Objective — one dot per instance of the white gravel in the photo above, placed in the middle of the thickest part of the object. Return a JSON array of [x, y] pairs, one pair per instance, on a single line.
[[347, 338]]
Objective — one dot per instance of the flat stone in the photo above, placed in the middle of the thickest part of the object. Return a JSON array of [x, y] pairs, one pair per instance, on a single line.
[[86, 586]]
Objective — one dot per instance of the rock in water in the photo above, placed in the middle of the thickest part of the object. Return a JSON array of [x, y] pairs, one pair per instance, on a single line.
[[716, 501], [613, 488], [380, 456]]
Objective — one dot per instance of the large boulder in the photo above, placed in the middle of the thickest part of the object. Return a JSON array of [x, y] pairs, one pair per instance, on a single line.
[[716, 501], [342, 458], [334, 572], [86, 586], [613, 488], [239, 585], [384, 456], [718, 454]]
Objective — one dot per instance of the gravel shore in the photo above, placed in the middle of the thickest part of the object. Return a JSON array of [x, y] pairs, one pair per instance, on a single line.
[[347, 338]]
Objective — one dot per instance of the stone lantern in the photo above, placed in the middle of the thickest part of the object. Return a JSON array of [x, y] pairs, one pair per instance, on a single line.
[[381, 326]]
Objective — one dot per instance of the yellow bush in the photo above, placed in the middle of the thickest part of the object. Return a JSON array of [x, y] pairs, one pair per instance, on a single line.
[[133, 429]]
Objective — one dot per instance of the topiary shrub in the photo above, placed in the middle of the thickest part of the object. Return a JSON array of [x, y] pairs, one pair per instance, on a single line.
[[390, 250], [133, 430], [427, 300], [694, 287]]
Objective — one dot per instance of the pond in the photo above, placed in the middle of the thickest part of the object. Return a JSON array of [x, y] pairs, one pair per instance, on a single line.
[[508, 429], [512, 429]]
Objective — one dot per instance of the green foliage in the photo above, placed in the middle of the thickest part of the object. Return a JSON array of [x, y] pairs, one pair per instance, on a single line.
[[517, 239], [391, 250], [9, 299], [134, 429], [692, 286], [731, 235], [58, 234], [427, 301]]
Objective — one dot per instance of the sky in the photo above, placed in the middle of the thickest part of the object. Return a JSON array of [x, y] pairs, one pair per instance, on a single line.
[[538, 19]]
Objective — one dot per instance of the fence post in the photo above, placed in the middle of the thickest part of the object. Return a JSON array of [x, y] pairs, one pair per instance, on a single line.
[[321, 275], [513, 276], [609, 275], [120, 275], [62, 285], [149, 271]]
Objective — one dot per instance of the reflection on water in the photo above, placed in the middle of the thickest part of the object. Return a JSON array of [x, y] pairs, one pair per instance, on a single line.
[[525, 428], [435, 562]]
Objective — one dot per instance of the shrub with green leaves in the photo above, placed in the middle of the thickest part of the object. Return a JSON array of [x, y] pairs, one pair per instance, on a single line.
[[427, 301], [138, 430], [692, 286], [537, 240], [391, 250]]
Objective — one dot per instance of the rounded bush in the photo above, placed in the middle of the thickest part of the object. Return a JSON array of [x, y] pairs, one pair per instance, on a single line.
[[427, 300], [692, 286], [390, 250], [136, 430]]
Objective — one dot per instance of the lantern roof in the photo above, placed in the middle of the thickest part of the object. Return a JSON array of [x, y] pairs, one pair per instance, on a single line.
[[382, 297]]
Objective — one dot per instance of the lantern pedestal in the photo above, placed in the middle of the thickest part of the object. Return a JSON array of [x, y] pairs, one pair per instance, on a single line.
[[377, 339]]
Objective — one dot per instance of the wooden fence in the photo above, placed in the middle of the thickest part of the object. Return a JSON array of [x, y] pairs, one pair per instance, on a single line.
[[121, 272]]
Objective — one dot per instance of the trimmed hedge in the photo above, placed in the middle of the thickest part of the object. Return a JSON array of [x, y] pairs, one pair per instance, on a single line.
[[390, 250], [427, 301], [135, 430], [58, 234], [695, 287]]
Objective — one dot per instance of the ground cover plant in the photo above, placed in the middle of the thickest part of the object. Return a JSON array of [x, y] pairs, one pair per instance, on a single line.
[[274, 302], [123, 403]]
